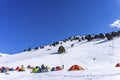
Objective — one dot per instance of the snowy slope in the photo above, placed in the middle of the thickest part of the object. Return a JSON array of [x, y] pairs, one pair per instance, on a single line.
[[97, 57], [3, 54]]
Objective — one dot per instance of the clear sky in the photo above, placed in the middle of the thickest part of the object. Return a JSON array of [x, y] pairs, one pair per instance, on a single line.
[[32, 23]]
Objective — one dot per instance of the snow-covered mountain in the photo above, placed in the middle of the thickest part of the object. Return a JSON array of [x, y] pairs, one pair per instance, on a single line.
[[98, 57]]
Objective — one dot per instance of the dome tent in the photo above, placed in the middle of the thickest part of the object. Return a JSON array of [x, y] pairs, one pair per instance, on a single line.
[[75, 67]]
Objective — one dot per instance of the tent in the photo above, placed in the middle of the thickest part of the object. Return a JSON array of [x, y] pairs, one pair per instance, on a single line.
[[53, 69], [11, 69], [36, 70], [118, 65], [58, 68], [43, 68], [29, 67], [3, 70], [22, 68], [75, 67], [17, 68]]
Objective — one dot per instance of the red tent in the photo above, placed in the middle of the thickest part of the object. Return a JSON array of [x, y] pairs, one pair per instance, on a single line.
[[58, 68], [17, 68], [118, 65]]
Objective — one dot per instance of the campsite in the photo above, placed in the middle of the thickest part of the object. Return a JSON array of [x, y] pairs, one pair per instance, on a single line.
[[59, 39], [97, 59]]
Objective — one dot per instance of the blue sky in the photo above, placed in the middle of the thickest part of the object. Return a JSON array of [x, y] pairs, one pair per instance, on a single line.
[[32, 23]]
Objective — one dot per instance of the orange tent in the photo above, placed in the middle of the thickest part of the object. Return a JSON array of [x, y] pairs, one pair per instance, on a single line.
[[75, 67], [118, 65]]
